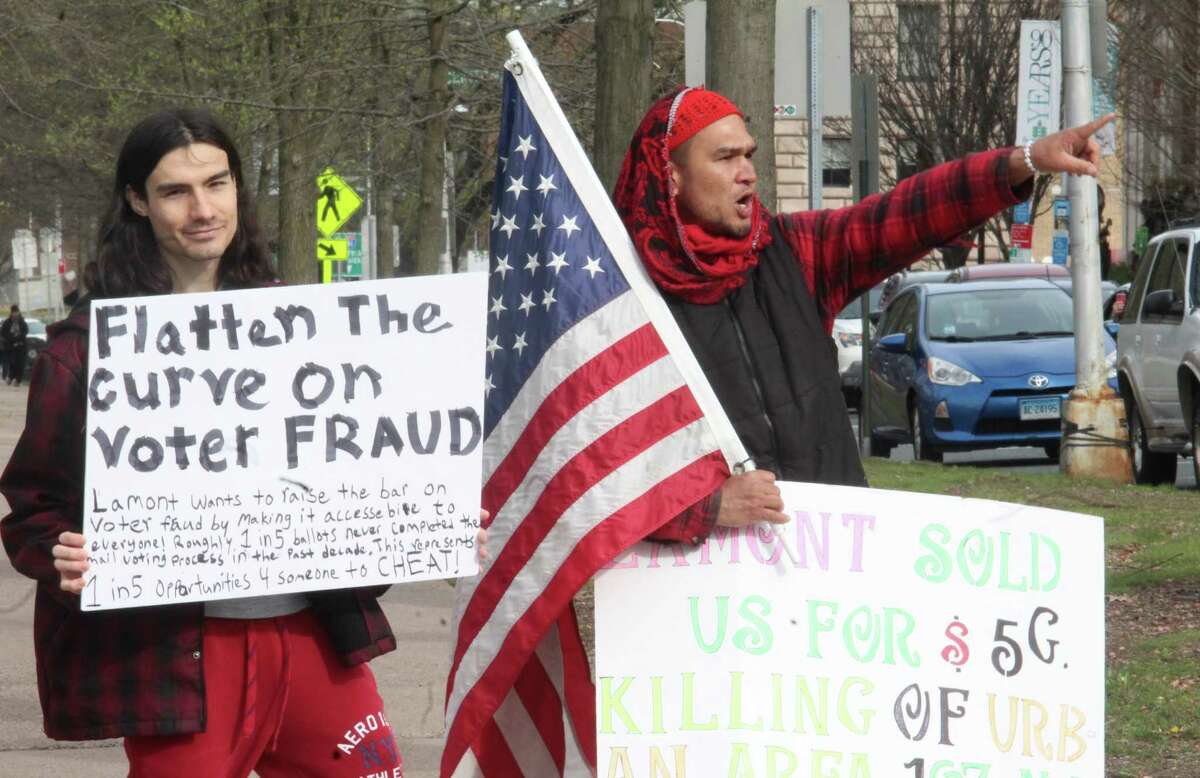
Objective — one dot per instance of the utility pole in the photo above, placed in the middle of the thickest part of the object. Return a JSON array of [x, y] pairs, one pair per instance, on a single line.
[[1095, 432]]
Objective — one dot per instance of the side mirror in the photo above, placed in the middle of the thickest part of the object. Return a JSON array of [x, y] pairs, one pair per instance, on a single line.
[[1160, 303], [896, 343]]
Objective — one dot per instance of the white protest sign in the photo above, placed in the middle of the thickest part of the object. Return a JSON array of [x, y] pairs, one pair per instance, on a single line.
[[281, 440], [919, 636], [1039, 82]]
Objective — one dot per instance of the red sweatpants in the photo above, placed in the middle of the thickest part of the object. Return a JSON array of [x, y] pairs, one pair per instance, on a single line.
[[279, 702]]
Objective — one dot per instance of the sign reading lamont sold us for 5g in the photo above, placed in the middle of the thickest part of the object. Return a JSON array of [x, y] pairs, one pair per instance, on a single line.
[[919, 636], [281, 440]]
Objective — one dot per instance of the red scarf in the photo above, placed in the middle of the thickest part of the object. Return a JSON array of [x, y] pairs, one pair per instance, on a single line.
[[685, 260]]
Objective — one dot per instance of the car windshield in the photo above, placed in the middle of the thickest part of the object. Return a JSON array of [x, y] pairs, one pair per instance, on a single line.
[[999, 314], [854, 309], [36, 327]]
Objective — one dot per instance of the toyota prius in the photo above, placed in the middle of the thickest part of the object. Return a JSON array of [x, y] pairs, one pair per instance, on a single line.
[[975, 365]]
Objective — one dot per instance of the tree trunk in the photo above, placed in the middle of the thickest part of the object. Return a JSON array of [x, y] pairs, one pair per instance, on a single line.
[[740, 57], [431, 229], [297, 205], [623, 60]]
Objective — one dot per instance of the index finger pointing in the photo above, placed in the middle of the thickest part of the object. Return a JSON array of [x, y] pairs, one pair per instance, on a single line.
[[1091, 127]]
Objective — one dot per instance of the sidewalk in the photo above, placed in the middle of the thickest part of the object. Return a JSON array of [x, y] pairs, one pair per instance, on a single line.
[[411, 679]]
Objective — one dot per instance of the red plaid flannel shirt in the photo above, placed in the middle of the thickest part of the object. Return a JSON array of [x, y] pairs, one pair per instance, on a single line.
[[845, 252], [121, 672]]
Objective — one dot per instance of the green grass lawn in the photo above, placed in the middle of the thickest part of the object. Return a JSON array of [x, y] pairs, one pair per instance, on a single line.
[[1153, 600]]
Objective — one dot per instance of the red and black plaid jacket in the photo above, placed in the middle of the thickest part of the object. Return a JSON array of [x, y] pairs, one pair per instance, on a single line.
[[845, 252], [123, 672]]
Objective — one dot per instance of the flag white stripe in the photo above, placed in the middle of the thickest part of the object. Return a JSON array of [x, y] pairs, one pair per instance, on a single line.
[[618, 488], [467, 767], [523, 737], [549, 653], [600, 209], [578, 345], [631, 395]]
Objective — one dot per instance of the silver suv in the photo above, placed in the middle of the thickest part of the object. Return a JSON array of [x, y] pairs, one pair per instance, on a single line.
[[1158, 356]]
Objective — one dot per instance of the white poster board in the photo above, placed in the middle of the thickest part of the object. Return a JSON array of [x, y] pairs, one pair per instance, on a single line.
[[919, 636], [282, 440]]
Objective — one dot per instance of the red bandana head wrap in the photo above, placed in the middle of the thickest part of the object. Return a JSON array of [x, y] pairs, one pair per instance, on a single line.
[[685, 260]]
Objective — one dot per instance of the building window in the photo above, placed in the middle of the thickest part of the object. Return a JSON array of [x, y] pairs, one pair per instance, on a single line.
[[835, 167], [907, 160], [917, 41]]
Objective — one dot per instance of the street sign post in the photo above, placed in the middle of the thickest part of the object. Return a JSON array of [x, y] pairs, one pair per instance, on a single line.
[[332, 249], [336, 202], [1022, 236]]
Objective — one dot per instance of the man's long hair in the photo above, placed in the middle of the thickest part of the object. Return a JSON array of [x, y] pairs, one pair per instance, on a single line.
[[128, 261]]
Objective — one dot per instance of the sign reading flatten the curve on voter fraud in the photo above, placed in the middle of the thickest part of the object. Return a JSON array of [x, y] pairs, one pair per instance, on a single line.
[[915, 636], [282, 440]]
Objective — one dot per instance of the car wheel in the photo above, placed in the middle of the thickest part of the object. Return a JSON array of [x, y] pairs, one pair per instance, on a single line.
[[1196, 440], [922, 451], [880, 447], [1053, 450], [1149, 467], [31, 355]]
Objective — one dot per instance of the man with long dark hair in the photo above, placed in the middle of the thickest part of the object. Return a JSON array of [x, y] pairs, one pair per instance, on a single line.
[[275, 684]]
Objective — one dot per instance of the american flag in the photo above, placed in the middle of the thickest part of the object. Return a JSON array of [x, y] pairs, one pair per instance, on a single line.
[[593, 440]]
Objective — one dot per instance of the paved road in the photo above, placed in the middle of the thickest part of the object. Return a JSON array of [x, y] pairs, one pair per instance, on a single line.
[[1025, 459], [411, 679]]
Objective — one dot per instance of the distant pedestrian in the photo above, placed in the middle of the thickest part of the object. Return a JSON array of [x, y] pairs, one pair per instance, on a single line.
[[13, 332]]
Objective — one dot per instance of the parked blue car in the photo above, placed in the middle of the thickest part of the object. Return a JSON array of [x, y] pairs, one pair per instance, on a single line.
[[974, 365]]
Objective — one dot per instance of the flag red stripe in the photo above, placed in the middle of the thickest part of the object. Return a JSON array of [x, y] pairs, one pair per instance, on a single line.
[[537, 693], [612, 536], [492, 754], [577, 681], [591, 380], [608, 452]]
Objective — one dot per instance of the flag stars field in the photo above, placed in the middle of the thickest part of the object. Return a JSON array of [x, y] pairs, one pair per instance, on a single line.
[[546, 184]]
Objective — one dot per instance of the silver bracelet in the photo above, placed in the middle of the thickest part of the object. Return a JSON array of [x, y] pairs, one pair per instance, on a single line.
[[1029, 159]]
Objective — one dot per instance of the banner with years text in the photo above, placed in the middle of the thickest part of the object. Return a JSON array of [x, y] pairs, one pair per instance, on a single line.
[[288, 439], [915, 636]]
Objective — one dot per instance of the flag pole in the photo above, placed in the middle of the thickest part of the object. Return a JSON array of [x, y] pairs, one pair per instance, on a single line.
[[592, 193]]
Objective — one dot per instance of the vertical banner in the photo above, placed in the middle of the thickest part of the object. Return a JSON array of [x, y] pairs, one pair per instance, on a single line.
[[280, 440], [918, 636], [1039, 88]]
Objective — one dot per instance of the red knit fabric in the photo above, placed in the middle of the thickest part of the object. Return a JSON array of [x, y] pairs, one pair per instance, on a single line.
[[698, 109], [683, 259]]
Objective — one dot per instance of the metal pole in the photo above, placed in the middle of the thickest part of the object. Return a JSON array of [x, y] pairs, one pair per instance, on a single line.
[[816, 121], [865, 119], [1085, 254], [1094, 427]]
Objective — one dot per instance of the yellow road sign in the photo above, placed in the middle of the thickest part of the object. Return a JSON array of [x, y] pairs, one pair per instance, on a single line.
[[333, 249], [336, 202]]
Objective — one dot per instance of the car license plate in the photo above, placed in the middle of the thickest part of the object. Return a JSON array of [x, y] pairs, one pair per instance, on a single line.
[[1033, 408]]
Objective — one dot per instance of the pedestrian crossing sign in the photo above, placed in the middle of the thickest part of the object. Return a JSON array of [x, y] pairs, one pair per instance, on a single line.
[[336, 202]]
